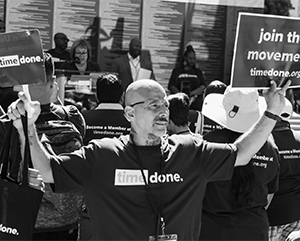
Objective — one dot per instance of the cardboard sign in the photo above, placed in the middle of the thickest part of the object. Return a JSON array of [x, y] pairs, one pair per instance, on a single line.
[[266, 48], [21, 58]]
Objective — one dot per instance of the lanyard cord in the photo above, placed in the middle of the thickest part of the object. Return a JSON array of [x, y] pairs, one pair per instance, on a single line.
[[160, 220]]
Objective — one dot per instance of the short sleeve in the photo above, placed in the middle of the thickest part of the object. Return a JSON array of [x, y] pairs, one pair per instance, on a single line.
[[73, 172], [217, 160]]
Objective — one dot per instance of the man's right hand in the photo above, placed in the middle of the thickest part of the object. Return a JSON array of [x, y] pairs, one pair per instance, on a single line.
[[275, 97], [19, 107]]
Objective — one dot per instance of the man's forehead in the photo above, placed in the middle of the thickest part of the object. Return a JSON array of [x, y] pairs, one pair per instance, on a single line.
[[149, 96], [135, 41], [153, 92], [157, 99], [144, 89]]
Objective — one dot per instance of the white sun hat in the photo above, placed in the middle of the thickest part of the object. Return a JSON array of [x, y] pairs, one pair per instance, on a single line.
[[237, 109]]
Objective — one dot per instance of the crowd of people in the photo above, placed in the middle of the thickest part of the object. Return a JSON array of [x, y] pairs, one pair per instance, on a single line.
[[148, 168], [185, 77]]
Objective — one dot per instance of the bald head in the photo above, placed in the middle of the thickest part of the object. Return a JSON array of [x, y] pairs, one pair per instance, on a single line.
[[134, 41], [61, 41], [141, 90], [147, 110], [135, 47], [60, 35]]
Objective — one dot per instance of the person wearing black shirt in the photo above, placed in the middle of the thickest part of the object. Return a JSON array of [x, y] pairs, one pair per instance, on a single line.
[[189, 79]]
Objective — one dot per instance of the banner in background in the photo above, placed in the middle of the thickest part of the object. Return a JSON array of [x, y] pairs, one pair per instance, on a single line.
[[266, 48], [21, 58], [235, 3]]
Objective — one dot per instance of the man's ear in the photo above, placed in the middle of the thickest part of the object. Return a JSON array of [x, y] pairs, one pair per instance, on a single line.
[[129, 113]]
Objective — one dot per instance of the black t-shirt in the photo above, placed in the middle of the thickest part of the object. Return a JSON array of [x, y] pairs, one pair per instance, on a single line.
[[187, 81], [210, 125], [285, 205], [221, 220], [105, 123], [107, 171]]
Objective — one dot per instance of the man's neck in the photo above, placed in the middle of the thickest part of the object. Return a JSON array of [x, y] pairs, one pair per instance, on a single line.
[[133, 57], [150, 140]]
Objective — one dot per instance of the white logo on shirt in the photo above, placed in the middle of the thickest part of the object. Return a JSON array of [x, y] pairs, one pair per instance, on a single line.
[[125, 177], [8, 230], [263, 158]]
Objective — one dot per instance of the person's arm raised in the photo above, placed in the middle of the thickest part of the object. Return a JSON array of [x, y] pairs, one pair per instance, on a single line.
[[39, 156], [251, 141]]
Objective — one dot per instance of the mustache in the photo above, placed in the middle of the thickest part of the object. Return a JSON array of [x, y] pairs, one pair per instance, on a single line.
[[162, 118]]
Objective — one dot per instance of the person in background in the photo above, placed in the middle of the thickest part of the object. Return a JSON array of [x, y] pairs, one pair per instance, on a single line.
[[60, 50], [81, 63], [180, 116], [284, 210], [235, 209], [43, 93], [129, 66], [107, 119], [146, 185], [189, 79], [215, 86]]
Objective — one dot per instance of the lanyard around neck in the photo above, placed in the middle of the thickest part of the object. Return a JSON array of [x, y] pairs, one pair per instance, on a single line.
[[159, 213]]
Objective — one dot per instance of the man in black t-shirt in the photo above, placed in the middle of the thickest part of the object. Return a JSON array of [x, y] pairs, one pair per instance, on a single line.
[[284, 210], [235, 209], [182, 119], [47, 228], [107, 120], [215, 86], [61, 44], [146, 185], [60, 53]]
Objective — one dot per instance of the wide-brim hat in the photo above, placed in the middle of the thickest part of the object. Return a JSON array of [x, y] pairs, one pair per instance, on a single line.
[[236, 109]]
